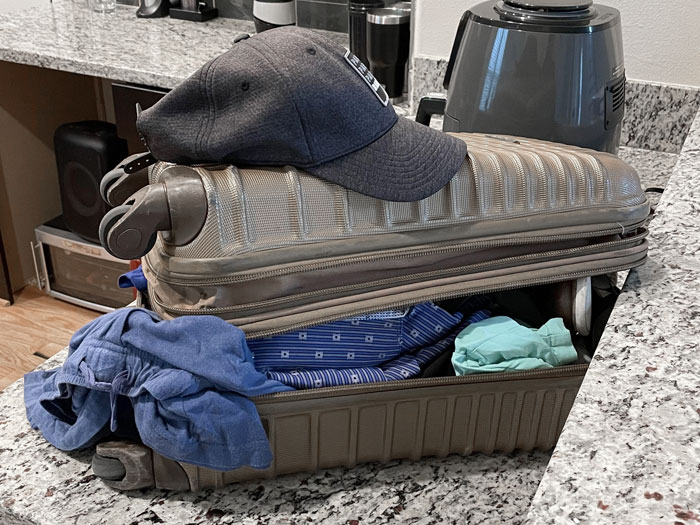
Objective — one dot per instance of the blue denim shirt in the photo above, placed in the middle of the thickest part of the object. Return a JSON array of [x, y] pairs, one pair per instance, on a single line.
[[188, 381]]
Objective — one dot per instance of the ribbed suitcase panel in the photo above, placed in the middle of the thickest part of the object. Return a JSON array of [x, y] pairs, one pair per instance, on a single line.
[[255, 209], [308, 437]]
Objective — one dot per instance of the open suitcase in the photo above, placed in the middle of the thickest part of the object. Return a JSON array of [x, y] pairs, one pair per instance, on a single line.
[[275, 249]]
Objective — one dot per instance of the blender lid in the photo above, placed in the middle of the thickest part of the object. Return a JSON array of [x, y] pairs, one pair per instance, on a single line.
[[546, 15], [551, 5]]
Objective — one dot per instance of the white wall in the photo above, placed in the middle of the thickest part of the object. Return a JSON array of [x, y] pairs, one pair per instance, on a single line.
[[661, 38]]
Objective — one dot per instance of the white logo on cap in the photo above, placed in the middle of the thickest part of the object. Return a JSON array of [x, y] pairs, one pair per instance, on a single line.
[[368, 77]]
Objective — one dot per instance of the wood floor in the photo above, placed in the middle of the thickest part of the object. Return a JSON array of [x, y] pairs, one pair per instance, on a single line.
[[33, 329]]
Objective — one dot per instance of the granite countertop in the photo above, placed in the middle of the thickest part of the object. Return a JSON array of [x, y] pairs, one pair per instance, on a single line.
[[42, 485], [161, 52], [630, 451]]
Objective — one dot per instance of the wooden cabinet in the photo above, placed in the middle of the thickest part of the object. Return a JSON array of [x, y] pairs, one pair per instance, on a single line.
[[125, 97], [5, 287]]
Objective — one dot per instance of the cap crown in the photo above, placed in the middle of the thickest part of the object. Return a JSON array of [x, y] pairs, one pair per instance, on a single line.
[[285, 96]]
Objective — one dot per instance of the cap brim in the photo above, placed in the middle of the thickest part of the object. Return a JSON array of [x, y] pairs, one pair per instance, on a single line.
[[408, 163]]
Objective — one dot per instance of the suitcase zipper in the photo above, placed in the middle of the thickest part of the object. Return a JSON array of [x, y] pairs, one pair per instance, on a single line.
[[366, 388], [426, 275], [398, 304], [428, 297], [360, 259]]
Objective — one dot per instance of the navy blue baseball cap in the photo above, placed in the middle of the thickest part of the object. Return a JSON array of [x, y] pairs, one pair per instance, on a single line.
[[291, 96]]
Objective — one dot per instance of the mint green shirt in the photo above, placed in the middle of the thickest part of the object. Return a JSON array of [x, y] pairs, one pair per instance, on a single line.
[[500, 344]]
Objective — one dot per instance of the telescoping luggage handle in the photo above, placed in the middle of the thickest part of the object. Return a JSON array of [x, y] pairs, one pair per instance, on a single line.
[[176, 205]]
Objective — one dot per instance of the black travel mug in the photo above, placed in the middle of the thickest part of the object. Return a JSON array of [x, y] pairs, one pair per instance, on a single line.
[[388, 40], [357, 26]]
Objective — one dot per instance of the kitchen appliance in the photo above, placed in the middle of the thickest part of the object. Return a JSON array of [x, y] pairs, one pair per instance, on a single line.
[[77, 271], [153, 8], [357, 26], [388, 41], [193, 10], [548, 69], [268, 14], [85, 151]]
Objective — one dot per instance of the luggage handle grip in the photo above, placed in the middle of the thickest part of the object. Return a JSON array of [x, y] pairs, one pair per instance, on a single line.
[[432, 104]]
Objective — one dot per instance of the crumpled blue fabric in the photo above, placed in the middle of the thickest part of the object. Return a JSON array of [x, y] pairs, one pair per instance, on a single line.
[[188, 381], [133, 279]]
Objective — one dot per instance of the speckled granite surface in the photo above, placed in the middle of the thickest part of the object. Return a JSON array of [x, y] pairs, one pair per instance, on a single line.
[[161, 52], [41, 485], [654, 168], [630, 450], [657, 117]]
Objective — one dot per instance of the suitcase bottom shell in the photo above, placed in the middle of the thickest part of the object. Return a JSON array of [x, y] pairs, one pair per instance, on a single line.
[[311, 430]]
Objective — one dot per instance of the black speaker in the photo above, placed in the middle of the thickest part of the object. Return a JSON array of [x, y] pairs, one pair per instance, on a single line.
[[85, 151]]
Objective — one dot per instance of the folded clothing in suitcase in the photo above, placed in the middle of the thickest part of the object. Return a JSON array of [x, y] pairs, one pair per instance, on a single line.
[[276, 249]]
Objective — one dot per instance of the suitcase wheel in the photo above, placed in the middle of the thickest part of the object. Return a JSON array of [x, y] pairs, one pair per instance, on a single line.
[[109, 469], [124, 465], [175, 205], [117, 186], [108, 180], [128, 244]]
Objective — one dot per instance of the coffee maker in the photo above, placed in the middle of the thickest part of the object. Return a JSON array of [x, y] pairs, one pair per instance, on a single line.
[[153, 8], [193, 10]]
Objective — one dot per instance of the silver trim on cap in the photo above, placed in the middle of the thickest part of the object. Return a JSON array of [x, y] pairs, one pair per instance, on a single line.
[[388, 17]]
